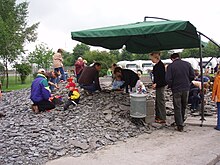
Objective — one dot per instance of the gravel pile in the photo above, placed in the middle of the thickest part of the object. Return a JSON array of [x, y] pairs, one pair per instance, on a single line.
[[99, 120]]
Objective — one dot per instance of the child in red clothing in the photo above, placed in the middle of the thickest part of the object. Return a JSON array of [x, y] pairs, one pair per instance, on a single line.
[[73, 95]]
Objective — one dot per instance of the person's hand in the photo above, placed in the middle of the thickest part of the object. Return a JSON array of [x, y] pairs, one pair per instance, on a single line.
[[154, 86], [56, 86], [214, 99]]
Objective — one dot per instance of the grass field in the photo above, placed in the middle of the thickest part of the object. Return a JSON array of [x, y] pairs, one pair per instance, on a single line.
[[15, 83]]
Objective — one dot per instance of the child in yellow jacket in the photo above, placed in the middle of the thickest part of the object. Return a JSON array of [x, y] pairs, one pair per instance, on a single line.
[[73, 95], [216, 97]]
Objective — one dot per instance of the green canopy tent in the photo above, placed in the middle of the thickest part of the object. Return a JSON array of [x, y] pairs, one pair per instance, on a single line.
[[145, 37], [142, 37]]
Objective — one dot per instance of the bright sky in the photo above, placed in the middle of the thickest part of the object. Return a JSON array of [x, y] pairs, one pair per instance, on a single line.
[[59, 18]]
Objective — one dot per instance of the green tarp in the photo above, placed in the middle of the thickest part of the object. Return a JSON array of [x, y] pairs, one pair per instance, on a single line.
[[142, 37]]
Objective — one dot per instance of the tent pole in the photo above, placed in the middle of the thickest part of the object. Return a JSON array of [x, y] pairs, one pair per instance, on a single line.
[[202, 82]]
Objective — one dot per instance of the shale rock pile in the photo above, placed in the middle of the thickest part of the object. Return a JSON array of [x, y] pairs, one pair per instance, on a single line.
[[99, 120]]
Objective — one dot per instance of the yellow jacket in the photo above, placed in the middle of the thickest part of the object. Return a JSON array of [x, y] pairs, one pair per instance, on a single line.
[[216, 89]]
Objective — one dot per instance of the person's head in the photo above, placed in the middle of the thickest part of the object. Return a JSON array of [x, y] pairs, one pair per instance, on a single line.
[[174, 56], [55, 74], [97, 66], [71, 86], [80, 59], [114, 65], [41, 71], [155, 56], [118, 78], [196, 71], [118, 71], [60, 51], [85, 62]]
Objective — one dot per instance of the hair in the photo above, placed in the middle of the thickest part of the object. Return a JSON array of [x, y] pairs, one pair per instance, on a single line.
[[117, 69], [174, 56], [155, 55], [56, 73], [96, 64], [114, 65], [60, 51]]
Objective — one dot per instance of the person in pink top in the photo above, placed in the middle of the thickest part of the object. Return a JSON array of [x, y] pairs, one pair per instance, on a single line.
[[79, 65]]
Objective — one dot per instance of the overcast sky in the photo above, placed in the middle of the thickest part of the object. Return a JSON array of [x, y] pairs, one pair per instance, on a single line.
[[59, 18]]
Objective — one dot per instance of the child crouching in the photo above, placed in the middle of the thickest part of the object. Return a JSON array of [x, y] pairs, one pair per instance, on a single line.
[[73, 95]]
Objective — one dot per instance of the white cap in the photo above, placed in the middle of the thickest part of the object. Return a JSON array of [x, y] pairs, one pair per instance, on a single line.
[[80, 58], [41, 70]]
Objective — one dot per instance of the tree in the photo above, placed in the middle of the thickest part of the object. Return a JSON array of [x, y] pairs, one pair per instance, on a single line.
[[42, 56], [79, 50], [104, 57], [211, 50], [125, 55], [2, 73], [193, 52], [24, 69], [14, 32], [68, 59]]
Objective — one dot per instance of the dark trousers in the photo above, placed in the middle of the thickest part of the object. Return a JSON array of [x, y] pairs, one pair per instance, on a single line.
[[70, 102], [90, 87], [160, 108], [218, 117], [180, 100], [44, 105]]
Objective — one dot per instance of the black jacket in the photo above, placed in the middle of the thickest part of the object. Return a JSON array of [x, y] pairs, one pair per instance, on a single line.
[[159, 74], [179, 75], [129, 77]]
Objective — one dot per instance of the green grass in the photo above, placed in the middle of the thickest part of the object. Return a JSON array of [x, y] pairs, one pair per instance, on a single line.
[[15, 83]]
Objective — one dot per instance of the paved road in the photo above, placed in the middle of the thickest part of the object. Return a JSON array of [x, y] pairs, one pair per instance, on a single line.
[[196, 146]]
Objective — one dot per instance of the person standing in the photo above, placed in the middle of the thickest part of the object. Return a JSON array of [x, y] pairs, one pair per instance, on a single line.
[[179, 76], [89, 79], [58, 64], [40, 93], [79, 65], [159, 83], [216, 97]]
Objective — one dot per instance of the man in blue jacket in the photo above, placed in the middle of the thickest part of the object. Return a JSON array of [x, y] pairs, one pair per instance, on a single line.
[[40, 94], [179, 77]]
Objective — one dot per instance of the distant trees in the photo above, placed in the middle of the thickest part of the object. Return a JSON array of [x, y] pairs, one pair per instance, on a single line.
[[14, 31], [42, 56], [24, 69]]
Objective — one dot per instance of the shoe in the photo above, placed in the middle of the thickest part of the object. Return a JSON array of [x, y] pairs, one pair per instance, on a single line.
[[180, 128], [35, 109], [173, 124], [216, 128], [160, 121]]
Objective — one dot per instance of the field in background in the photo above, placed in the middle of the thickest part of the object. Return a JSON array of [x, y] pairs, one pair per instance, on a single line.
[[15, 83]]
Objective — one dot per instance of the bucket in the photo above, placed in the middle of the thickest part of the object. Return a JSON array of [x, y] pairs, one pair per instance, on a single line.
[[138, 105]]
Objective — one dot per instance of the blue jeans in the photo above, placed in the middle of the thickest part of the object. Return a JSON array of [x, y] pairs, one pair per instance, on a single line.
[[218, 117], [53, 80], [63, 77]]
